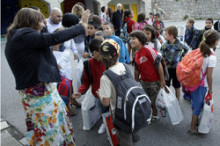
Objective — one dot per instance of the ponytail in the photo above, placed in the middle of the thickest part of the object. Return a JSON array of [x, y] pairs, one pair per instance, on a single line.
[[209, 39]]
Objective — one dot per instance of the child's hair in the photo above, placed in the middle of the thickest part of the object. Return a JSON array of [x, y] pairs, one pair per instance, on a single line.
[[100, 33], [209, 39], [95, 44], [109, 51], [109, 23], [78, 10], [126, 15], [97, 20], [158, 15], [141, 17], [209, 19], [94, 24], [191, 20], [103, 9], [140, 35], [150, 13], [153, 32], [172, 30]]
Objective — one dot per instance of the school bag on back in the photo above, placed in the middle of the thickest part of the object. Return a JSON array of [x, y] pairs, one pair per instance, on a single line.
[[133, 106], [124, 33], [188, 70], [197, 37]]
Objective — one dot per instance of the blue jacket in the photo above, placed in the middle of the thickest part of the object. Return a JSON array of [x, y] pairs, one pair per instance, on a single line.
[[189, 35], [124, 55]]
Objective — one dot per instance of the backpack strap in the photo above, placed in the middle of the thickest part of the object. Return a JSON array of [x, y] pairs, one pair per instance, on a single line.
[[87, 70]]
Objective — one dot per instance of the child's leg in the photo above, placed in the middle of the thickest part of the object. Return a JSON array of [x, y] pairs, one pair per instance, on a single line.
[[177, 91], [102, 110]]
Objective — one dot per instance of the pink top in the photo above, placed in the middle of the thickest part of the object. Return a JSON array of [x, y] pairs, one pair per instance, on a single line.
[[140, 25]]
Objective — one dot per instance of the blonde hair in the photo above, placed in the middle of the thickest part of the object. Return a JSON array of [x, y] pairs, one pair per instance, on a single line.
[[77, 10]]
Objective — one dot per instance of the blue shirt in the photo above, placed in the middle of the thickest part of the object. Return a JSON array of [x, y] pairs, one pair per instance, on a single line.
[[124, 55]]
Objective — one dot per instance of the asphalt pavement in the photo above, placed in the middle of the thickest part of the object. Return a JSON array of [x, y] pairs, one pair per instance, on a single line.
[[161, 133]]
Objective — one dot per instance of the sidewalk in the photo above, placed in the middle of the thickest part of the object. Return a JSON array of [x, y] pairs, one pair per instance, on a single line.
[[10, 136]]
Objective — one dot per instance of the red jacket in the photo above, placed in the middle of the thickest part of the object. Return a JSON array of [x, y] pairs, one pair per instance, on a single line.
[[96, 68]]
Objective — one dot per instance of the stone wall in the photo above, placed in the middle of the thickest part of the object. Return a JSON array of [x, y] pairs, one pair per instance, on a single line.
[[198, 9]]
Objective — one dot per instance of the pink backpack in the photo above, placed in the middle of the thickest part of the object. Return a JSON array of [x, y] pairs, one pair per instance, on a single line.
[[140, 25], [189, 70]]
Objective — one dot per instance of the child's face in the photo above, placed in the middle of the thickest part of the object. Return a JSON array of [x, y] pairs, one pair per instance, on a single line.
[[132, 14], [151, 16], [135, 43], [208, 24], [108, 30], [167, 36], [149, 35], [96, 55], [188, 24], [91, 30], [156, 18]]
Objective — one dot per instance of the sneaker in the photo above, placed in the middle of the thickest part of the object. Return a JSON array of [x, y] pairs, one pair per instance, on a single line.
[[154, 119], [101, 129]]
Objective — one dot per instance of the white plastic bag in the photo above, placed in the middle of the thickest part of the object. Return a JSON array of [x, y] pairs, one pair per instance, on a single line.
[[206, 118], [160, 103], [167, 99], [90, 110], [79, 72]]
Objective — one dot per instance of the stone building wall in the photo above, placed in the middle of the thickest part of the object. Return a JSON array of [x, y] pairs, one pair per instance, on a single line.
[[198, 9]]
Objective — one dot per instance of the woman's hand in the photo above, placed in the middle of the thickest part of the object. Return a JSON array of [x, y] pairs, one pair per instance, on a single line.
[[84, 19]]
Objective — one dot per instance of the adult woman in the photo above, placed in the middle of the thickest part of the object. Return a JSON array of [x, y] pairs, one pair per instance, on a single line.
[[35, 69], [109, 14]]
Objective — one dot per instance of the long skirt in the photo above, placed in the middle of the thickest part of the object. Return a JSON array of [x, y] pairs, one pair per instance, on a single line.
[[46, 116]]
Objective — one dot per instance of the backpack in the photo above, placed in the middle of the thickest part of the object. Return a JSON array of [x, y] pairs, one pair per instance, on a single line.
[[197, 37], [87, 71], [188, 70], [124, 33], [133, 106]]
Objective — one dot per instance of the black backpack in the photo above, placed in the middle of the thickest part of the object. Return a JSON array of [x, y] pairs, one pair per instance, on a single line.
[[133, 106], [197, 38]]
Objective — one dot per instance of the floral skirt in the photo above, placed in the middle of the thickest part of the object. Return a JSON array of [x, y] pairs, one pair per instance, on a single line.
[[46, 116]]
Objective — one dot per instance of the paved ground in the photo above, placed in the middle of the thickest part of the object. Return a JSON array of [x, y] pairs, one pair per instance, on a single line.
[[160, 133]]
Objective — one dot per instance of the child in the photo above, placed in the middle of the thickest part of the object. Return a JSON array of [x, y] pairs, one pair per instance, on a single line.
[[151, 18], [103, 14], [110, 52], [189, 30], [145, 71], [158, 24], [97, 67], [217, 25], [141, 22], [127, 19], [173, 51], [210, 41], [93, 27], [100, 35], [151, 37], [109, 31]]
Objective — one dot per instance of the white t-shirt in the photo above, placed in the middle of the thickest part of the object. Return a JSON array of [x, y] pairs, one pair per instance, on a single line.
[[209, 61], [52, 27], [158, 45], [107, 89]]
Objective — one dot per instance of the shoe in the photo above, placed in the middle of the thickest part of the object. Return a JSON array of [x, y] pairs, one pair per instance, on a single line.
[[101, 129], [74, 102], [193, 131], [154, 119]]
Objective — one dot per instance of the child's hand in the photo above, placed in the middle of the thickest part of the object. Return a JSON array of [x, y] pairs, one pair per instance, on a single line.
[[85, 55], [162, 83], [76, 95]]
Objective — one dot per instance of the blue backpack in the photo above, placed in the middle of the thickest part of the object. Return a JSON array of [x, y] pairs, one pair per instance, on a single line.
[[133, 106], [124, 33]]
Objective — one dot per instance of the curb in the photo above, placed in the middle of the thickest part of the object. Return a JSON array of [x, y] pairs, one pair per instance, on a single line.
[[11, 136]]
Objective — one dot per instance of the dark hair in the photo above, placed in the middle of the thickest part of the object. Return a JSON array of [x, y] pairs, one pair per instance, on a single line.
[[103, 9], [209, 19], [97, 20], [125, 16], [26, 17], [109, 23], [150, 13], [109, 12], [141, 17], [172, 30], [94, 24], [95, 44], [209, 39], [109, 57], [142, 37], [158, 15], [191, 20], [69, 20], [150, 28]]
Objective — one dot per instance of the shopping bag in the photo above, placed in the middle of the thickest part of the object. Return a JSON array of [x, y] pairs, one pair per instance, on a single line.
[[90, 110], [79, 72], [160, 103], [110, 129], [206, 117], [171, 105]]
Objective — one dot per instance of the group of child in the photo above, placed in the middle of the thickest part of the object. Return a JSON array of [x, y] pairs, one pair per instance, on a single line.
[[148, 46]]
